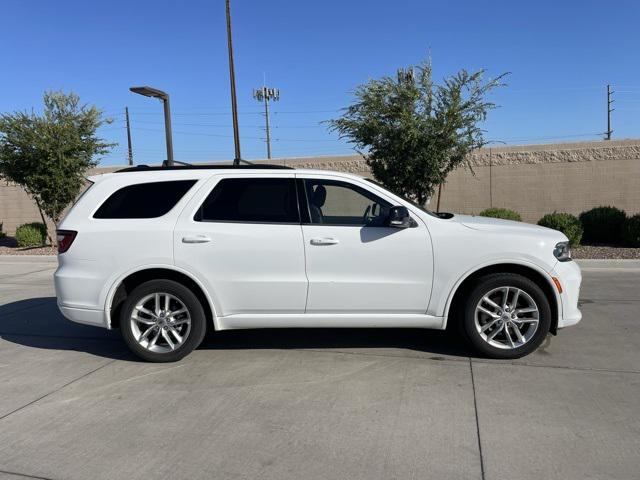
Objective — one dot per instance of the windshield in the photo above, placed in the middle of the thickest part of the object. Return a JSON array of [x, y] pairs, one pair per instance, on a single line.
[[426, 210]]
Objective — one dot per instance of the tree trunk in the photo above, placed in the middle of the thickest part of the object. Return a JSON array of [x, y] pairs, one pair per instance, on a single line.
[[439, 197], [44, 221]]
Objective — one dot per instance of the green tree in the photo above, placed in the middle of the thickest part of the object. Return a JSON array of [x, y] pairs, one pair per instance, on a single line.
[[412, 132], [49, 153]]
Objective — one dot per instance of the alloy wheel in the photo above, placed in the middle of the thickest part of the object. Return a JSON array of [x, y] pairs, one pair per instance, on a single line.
[[160, 322], [507, 317]]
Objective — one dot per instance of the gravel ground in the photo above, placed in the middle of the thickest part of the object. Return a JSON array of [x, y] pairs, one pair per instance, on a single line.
[[605, 252], [8, 247]]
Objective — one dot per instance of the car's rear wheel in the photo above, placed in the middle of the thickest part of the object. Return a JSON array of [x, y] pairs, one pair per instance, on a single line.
[[506, 316], [162, 321]]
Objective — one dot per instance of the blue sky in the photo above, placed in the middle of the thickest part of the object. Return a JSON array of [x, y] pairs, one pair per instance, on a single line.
[[561, 55]]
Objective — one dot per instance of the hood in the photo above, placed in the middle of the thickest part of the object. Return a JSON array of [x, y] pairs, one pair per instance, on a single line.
[[508, 226]]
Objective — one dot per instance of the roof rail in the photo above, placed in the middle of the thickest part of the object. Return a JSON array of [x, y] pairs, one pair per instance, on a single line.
[[253, 166]]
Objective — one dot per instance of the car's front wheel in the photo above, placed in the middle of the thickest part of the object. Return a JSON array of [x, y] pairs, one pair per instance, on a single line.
[[506, 316], [162, 321]]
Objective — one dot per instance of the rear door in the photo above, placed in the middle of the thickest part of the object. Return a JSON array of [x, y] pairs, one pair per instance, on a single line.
[[242, 235], [355, 262]]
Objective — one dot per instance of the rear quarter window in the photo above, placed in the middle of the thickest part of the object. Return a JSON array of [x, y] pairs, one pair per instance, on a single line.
[[144, 200]]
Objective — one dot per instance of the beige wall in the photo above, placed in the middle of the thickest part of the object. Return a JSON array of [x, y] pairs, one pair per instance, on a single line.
[[531, 179]]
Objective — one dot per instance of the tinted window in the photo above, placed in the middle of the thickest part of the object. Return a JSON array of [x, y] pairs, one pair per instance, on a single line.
[[339, 203], [144, 200], [271, 200]]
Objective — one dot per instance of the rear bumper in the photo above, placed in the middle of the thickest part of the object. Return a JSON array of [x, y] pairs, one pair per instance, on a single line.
[[570, 278], [78, 293], [83, 315]]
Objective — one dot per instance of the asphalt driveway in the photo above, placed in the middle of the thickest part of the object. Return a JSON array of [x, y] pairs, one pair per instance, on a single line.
[[318, 404]]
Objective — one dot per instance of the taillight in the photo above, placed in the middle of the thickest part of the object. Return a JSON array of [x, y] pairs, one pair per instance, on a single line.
[[65, 239]]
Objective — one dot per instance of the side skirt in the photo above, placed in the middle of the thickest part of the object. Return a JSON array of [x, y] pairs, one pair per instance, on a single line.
[[321, 320]]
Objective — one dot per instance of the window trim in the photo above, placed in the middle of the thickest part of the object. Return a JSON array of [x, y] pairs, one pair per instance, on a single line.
[[196, 213]]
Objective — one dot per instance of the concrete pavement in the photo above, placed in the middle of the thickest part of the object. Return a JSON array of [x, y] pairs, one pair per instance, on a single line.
[[318, 404]]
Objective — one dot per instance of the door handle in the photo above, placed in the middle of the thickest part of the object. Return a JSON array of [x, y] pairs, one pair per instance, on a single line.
[[196, 239], [324, 241]]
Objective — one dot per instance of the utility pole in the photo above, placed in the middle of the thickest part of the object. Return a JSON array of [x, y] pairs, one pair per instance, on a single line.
[[609, 110], [232, 80], [130, 148], [265, 94]]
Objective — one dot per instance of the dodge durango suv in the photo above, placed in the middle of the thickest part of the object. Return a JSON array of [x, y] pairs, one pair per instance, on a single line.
[[165, 253]]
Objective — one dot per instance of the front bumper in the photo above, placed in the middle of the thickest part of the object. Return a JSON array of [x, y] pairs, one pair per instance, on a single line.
[[570, 277]]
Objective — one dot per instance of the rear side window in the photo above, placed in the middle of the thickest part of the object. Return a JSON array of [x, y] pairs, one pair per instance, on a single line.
[[144, 200], [266, 200]]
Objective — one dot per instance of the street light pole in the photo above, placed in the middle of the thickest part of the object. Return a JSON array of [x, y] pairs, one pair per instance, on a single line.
[[167, 130], [155, 93], [232, 80]]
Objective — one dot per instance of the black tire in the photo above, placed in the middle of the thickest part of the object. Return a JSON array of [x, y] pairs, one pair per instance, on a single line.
[[194, 336], [494, 281]]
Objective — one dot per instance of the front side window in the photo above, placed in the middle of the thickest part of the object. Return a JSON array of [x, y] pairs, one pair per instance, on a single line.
[[144, 200], [333, 202], [250, 200]]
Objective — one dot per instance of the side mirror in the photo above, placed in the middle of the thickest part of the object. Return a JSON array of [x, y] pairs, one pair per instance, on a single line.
[[399, 217]]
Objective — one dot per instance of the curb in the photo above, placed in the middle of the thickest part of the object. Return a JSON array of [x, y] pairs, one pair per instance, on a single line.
[[608, 264], [27, 258]]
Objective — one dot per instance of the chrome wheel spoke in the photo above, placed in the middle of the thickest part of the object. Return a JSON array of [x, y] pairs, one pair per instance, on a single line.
[[156, 303], [492, 335], [505, 298], [522, 321], [514, 302], [508, 335], [145, 334], [177, 312], [518, 333], [166, 336], [493, 304], [175, 334], [491, 314], [520, 311], [146, 311], [488, 325], [154, 340]]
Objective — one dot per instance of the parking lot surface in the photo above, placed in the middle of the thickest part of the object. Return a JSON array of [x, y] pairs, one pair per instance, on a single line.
[[318, 404]]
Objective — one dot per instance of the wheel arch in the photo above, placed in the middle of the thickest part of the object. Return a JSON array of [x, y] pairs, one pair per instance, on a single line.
[[124, 285], [531, 271]]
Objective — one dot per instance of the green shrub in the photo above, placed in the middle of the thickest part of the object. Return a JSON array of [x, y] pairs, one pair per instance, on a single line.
[[603, 224], [31, 235], [503, 213], [566, 223], [2, 234], [631, 231]]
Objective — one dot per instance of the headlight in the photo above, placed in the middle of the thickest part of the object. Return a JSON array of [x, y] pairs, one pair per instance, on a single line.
[[562, 252]]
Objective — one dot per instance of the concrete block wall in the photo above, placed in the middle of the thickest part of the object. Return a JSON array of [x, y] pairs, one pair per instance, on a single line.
[[531, 179]]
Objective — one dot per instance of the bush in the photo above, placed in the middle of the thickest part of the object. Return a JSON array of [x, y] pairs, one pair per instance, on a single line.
[[2, 234], [631, 231], [603, 224], [503, 213], [566, 223], [31, 235]]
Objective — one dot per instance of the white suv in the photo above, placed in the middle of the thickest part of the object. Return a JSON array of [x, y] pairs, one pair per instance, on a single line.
[[165, 253]]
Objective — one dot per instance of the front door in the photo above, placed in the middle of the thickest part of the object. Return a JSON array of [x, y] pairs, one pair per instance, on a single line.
[[355, 262], [242, 235]]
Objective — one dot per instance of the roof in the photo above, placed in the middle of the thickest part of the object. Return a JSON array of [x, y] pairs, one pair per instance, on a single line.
[[146, 168]]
